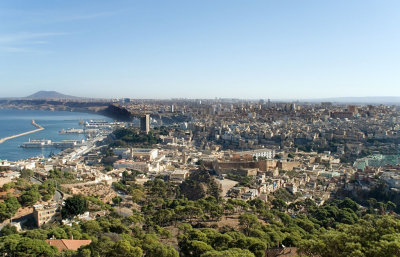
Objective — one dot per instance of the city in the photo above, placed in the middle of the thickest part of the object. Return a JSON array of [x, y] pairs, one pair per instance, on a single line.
[[177, 128], [239, 154]]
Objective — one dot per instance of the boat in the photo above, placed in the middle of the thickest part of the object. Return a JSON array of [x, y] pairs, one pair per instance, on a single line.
[[37, 143]]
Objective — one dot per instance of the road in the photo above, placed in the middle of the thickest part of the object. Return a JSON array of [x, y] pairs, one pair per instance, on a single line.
[[58, 197], [91, 144]]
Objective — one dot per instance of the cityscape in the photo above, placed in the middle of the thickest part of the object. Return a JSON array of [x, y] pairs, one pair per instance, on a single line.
[[198, 129]]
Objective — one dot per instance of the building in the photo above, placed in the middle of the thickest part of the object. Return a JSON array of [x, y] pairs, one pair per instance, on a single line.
[[67, 244], [263, 153], [178, 176], [125, 153], [46, 213], [144, 154], [145, 123], [342, 114], [129, 164], [4, 164]]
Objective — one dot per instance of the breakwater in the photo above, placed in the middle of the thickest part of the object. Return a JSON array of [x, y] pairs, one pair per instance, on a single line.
[[38, 128]]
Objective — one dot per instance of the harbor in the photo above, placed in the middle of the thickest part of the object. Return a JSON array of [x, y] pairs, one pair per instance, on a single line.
[[48, 143], [38, 128], [18, 121]]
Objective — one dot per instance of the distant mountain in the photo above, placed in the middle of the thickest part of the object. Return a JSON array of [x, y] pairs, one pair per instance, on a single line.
[[50, 95], [361, 100], [349, 100]]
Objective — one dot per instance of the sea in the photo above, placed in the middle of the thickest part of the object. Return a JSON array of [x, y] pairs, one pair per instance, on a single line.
[[18, 121]]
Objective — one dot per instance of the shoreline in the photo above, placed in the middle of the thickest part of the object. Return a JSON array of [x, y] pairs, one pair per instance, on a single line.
[[106, 111], [38, 128]]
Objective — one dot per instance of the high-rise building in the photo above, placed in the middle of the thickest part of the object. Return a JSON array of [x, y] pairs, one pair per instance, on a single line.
[[145, 123], [352, 108]]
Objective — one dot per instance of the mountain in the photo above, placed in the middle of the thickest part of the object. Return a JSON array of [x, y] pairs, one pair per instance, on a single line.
[[50, 95], [348, 100], [361, 100]]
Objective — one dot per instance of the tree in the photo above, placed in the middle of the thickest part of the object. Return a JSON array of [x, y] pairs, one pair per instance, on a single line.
[[390, 206], [373, 235], [198, 247], [91, 227], [31, 196], [234, 252], [8, 208], [137, 195], [279, 204], [117, 200], [26, 173], [16, 245], [152, 247], [74, 205], [124, 249], [248, 221], [8, 230]]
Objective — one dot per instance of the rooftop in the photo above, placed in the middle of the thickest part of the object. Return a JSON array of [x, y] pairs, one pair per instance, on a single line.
[[67, 244]]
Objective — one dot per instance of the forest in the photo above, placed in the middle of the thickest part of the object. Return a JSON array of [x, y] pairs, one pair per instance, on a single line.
[[171, 220]]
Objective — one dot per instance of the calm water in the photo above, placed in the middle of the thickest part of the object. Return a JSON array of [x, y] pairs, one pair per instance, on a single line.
[[17, 121]]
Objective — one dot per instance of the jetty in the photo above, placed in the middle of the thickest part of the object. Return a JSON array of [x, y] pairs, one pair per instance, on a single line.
[[38, 128]]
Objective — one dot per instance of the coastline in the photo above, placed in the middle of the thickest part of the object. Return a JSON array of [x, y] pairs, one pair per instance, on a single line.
[[38, 128], [104, 109], [18, 120]]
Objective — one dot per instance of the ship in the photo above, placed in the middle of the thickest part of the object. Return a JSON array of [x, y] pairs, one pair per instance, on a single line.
[[97, 124], [72, 131], [37, 143], [48, 143]]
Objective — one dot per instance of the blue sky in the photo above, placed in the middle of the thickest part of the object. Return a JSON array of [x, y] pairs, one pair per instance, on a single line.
[[274, 49]]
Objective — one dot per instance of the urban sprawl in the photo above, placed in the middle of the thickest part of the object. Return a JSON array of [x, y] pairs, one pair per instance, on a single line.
[[194, 174]]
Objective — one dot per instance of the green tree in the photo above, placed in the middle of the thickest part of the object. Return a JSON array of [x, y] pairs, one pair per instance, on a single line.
[[74, 205], [234, 252], [16, 245], [8, 208], [8, 230], [137, 195], [31, 196], [117, 200], [248, 221], [124, 249], [26, 173]]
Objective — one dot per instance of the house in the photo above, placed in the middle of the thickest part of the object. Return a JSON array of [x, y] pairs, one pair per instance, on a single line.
[[67, 244]]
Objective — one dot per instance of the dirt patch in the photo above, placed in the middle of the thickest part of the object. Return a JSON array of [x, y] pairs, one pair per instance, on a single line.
[[23, 212], [102, 191], [231, 221], [10, 191]]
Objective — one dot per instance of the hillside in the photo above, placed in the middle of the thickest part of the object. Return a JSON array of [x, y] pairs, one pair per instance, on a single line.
[[50, 95]]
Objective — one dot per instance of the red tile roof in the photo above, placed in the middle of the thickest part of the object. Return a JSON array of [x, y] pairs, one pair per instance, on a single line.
[[67, 244]]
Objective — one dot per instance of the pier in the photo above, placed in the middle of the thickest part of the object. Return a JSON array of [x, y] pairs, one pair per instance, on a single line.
[[38, 128]]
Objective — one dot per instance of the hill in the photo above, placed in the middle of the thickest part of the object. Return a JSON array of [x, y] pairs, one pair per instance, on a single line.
[[362, 100], [50, 95]]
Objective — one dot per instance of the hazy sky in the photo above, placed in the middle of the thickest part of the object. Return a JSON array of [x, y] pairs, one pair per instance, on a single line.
[[200, 49]]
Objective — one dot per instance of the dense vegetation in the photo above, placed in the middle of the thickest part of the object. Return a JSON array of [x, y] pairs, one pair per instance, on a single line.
[[24, 193], [378, 196], [133, 137], [191, 219]]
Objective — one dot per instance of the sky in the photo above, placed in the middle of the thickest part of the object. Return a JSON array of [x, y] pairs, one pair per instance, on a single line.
[[277, 49]]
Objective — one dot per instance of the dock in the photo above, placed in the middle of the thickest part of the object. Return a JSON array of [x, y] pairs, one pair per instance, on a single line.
[[38, 128]]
